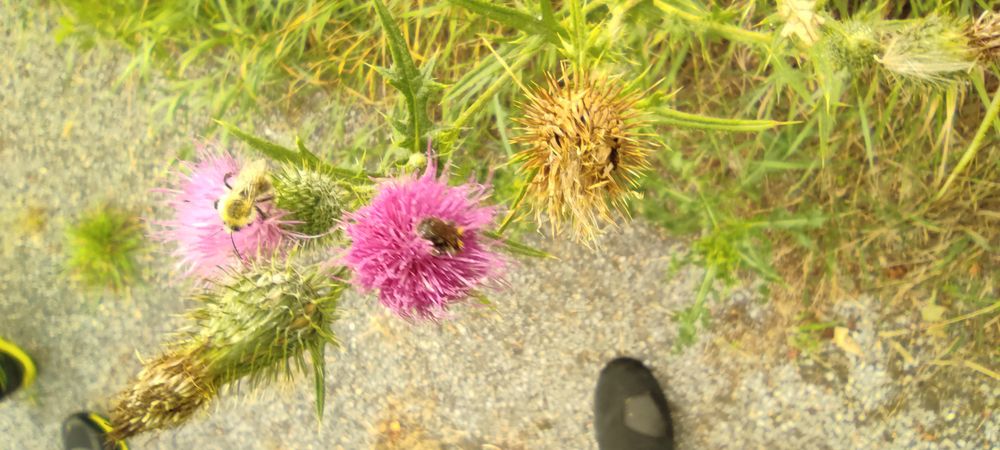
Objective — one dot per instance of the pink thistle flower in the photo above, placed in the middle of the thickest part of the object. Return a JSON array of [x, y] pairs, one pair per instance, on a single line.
[[203, 244], [419, 242]]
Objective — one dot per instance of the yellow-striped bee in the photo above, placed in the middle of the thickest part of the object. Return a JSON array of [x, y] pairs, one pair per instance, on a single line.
[[239, 207]]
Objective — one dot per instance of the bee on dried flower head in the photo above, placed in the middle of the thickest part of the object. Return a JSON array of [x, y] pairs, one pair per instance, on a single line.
[[584, 152]]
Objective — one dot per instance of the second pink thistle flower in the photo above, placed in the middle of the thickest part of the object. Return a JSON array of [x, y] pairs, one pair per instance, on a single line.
[[203, 243], [419, 242]]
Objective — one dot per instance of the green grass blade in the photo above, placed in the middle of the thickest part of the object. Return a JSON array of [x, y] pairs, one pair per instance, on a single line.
[[501, 122], [977, 141], [866, 132], [578, 39], [668, 116], [548, 16]]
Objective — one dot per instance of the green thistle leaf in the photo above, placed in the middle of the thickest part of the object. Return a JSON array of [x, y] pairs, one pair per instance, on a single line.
[[319, 376], [268, 148], [546, 27], [301, 157], [416, 85]]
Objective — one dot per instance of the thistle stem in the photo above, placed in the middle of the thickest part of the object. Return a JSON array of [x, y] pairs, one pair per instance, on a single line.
[[517, 203], [977, 142]]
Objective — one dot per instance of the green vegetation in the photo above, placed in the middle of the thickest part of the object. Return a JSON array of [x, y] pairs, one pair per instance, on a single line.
[[102, 248], [830, 149]]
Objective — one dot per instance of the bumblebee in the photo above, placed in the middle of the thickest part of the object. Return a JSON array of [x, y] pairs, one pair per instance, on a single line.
[[240, 207], [445, 237]]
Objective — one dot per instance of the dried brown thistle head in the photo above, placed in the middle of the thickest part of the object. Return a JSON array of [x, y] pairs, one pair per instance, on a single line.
[[168, 391], [985, 35], [584, 152]]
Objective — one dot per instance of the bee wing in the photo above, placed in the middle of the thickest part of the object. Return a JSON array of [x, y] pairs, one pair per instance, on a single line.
[[250, 191], [249, 182]]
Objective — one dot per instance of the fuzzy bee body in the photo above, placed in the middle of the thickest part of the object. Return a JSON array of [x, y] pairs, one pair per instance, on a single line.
[[239, 207], [445, 237]]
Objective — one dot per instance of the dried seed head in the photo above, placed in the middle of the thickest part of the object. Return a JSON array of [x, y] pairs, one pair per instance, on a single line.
[[584, 151], [985, 36], [168, 391], [931, 50]]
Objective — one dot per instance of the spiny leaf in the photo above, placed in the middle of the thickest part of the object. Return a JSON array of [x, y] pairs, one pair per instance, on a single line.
[[306, 154], [268, 148], [319, 376], [301, 157], [548, 17], [415, 84], [397, 45], [516, 19]]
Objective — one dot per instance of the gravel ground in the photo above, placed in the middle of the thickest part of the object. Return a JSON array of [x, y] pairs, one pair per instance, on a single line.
[[520, 375]]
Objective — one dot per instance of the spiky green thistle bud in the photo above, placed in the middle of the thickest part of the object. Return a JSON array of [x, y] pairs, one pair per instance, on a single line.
[[248, 328], [931, 50], [851, 45], [415, 162], [261, 318], [314, 199]]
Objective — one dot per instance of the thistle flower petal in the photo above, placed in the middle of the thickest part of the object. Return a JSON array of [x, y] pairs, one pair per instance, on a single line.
[[203, 246], [390, 252], [584, 151]]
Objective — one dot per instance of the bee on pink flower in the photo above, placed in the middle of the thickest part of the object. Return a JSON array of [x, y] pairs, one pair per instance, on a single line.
[[420, 244], [204, 241]]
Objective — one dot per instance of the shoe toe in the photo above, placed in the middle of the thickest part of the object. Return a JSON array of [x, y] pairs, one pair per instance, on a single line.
[[87, 431], [630, 410]]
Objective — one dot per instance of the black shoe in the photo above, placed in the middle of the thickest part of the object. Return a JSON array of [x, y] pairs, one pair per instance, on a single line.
[[88, 431], [630, 411], [16, 369]]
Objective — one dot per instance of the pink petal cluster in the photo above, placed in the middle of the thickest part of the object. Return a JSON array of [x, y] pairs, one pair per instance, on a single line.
[[203, 246], [388, 254]]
